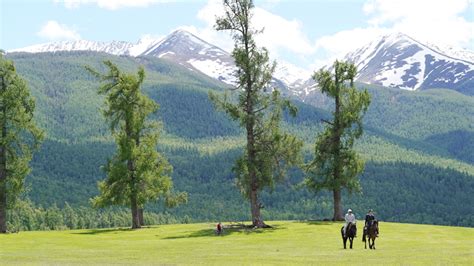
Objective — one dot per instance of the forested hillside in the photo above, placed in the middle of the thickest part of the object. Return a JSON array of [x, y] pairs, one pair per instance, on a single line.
[[418, 146]]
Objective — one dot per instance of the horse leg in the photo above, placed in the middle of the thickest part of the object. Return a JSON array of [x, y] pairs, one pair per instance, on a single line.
[[351, 239], [345, 241], [373, 243]]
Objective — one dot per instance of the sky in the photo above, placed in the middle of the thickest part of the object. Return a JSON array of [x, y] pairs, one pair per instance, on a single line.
[[306, 33]]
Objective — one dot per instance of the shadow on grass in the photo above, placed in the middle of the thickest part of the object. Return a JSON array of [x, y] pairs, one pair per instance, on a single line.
[[233, 229], [104, 231], [317, 222]]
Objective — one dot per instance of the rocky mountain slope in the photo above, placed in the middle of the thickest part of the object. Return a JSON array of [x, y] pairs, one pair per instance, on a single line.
[[399, 61]]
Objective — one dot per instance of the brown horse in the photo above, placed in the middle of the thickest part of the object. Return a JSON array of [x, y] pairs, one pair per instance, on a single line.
[[371, 234], [350, 234]]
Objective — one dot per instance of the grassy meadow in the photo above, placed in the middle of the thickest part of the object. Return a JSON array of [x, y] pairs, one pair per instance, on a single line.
[[288, 243]]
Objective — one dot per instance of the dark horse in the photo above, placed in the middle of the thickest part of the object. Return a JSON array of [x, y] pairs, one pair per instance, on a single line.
[[350, 234], [371, 234]]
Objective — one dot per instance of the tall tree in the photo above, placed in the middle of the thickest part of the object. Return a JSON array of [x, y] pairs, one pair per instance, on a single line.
[[336, 165], [137, 173], [268, 152], [19, 136]]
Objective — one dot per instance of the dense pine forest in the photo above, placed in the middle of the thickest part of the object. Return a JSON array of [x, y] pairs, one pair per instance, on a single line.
[[411, 174]]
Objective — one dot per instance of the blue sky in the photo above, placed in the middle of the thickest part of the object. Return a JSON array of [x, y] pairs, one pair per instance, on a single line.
[[305, 33]]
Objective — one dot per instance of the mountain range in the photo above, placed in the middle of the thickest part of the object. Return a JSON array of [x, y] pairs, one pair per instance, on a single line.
[[396, 60]]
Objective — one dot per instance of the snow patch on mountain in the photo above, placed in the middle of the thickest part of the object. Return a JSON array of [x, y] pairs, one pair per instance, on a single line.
[[291, 75], [216, 69], [392, 76], [400, 61], [114, 47], [142, 45], [453, 52], [165, 53]]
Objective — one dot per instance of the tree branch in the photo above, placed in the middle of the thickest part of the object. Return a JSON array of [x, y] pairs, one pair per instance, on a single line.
[[328, 122]]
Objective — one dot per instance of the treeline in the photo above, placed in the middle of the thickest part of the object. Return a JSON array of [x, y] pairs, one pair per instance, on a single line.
[[26, 216], [399, 192]]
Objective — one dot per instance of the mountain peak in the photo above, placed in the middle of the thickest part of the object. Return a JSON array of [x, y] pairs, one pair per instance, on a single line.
[[179, 41], [182, 32], [395, 36], [397, 60], [187, 49]]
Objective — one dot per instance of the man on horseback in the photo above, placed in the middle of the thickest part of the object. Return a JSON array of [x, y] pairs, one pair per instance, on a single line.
[[369, 219], [350, 218]]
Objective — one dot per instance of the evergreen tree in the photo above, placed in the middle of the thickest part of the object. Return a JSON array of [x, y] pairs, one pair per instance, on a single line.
[[19, 136], [268, 151], [70, 217], [336, 165], [137, 173]]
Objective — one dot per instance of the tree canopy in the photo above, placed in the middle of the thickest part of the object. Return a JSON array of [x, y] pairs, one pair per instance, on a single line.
[[258, 109], [19, 136], [336, 164], [137, 173]]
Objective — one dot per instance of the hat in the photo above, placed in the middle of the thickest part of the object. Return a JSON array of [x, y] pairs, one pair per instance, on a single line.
[[370, 210], [349, 210]]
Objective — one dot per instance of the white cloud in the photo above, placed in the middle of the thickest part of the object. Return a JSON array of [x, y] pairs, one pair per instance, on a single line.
[[279, 34], [338, 45], [434, 21], [346, 41], [392, 11], [54, 31], [110, 4], [269, 4]]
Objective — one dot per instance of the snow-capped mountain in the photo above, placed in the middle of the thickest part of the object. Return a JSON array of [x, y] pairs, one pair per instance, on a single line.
[[114, 47], [297, 80], [183, 48], [188, 50], [142, 45], [395, 60], [400, 61]]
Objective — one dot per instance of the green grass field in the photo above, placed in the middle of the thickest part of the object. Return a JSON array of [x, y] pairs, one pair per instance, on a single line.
[[288, 243]]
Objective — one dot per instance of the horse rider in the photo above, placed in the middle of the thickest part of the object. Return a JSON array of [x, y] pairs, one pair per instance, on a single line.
[[369, 219], [219, 228], [350, 218]]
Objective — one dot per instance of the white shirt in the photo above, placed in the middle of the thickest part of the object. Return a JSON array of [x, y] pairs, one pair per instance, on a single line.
[[350, 218]]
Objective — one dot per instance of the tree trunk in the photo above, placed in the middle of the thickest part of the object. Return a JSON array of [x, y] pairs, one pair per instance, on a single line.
[[255, 208], [3, 193], [135, 215], [140, 217], [251, 154], [3, 177], [337, 206], [338, 167], [133, 195], [133, 181]]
